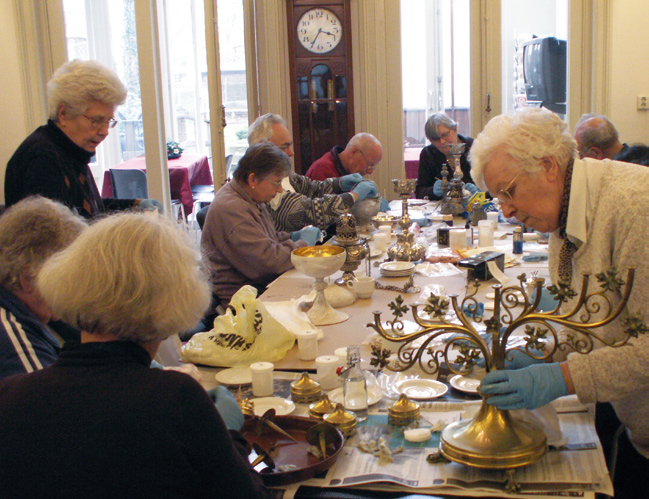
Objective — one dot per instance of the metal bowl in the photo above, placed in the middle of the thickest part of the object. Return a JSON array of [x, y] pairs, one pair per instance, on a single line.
[[385, 219], [364, 210]]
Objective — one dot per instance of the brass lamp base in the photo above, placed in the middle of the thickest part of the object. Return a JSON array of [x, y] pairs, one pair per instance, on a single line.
[[493, 440]]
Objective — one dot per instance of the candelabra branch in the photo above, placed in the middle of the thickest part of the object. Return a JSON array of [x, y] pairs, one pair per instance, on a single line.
[[544, 332]]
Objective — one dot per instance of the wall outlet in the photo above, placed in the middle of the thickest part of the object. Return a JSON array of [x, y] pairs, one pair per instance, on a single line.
[[643, 102]]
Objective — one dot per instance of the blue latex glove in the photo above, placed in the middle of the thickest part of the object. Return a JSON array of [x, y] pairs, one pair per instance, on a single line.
[[309, 235], [150, 204], [477, 313], [385, 205], [472, 188], [365, 189], [227, 406], [437, 188], [547, 303], [527, 388], [347, 182]]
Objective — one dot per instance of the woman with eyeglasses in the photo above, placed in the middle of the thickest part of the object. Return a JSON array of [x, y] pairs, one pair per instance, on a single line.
[[239, 238], [441, 130], [53, 161]]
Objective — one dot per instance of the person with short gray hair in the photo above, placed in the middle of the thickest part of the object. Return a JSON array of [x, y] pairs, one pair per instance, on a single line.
[[595, 211], [441, 131], [115, 427], [239, 239], [30, 232], [305, 201], [597, 137], [82, 97]]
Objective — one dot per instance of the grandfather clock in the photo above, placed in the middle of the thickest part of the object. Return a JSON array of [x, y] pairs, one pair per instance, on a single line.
[[320, 55]]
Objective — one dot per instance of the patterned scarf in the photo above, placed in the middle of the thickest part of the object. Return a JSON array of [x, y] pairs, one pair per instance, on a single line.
[[568, 248]]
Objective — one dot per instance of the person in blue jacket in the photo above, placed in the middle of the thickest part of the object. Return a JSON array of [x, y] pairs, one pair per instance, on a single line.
[[30, 232]]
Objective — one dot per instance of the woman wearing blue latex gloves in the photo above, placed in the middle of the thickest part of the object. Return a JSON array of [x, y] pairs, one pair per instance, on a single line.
[[127, 283], [526, 388], [239, 239], [441, 130], [228, 407], [593, 209], [310, 235]]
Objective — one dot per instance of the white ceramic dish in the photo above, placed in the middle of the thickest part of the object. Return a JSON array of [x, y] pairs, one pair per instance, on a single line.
[[374, 253], [464, 384], [282, 406], [397, 266], [420, 389], [234, 376], [373, 396]]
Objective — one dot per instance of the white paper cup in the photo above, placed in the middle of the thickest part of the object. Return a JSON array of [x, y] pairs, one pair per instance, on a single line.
[[386, 229], [457, 238], [262, 379], [307, 344], [381, 241], [492, 216], [326, 366], [485, 233]]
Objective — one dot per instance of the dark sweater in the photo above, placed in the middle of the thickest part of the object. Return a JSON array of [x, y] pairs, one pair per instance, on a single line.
[[100, 423], [431, 161], [50, 164]]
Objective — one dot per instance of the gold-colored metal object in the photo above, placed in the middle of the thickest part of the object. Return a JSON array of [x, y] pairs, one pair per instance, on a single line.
[[405, 249], [322, 435], [262, 456], [492, 439], [321, 407], [453, 196], [267, 419], [247, 405], [343, 420], [319, 262], [356, 248], [305, 390], [403, 412]]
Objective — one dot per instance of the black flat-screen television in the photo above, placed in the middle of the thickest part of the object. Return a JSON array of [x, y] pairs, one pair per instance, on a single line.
[[544, 70]]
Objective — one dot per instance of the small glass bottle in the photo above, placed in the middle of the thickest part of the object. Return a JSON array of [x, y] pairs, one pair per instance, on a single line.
[[518, 241], [355, 387]]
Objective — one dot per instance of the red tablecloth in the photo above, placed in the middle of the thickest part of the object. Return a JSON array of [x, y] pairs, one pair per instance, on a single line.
[[184, 172], [411, 161]]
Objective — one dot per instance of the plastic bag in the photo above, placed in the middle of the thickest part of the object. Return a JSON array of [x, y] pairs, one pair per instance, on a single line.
[[250, 334]]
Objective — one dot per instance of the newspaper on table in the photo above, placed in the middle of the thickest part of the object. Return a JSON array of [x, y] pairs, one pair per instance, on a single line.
[[575, 469]]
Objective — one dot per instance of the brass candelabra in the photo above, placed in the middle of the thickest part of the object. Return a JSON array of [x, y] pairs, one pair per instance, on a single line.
[[493, 439], [405, 249]]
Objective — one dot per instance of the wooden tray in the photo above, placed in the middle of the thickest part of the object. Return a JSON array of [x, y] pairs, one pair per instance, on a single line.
[[296, 453]]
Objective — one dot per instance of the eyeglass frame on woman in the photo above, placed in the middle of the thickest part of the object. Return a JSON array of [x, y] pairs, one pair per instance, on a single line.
[[507, 191], [98, 123]]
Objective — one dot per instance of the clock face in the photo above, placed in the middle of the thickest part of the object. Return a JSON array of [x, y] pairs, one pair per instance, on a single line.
[[319, 31]]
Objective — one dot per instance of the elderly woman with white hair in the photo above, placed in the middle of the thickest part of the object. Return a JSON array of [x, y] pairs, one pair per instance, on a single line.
[[82, 97], [441, 130], [596, 212], [30, 232], [115, 427]]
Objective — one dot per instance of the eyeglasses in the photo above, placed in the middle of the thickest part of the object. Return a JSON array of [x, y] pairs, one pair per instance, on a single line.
[[443, 136], [276, 184], [369, 163], [98, 123], [506, 195]]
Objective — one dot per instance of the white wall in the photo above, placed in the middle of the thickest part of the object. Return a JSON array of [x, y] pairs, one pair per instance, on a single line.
[[13, 101], [629, 71]]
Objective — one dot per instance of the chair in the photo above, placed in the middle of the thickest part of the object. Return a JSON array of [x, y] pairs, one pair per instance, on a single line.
[[131, 184]]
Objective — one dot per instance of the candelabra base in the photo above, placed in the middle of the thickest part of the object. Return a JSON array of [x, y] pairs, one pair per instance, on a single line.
[[493, 440]]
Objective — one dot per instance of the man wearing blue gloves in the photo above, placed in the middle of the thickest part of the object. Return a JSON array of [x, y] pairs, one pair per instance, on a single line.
[[305, 201], [593, 210]]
